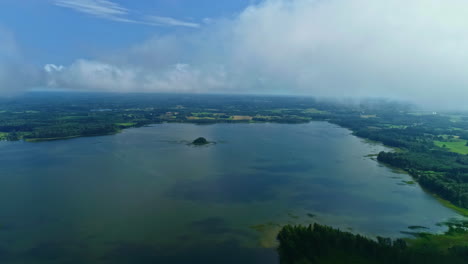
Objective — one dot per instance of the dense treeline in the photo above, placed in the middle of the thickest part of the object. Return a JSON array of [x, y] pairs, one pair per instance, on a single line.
[[437, 169], [319, 244], [443, 173], [37, 116]]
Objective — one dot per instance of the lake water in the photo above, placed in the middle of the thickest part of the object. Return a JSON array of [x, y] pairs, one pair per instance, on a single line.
[[145, 196]]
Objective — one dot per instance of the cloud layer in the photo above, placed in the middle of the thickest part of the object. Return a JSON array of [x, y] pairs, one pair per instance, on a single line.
[[413, 50], [16, 75], [112, 11]]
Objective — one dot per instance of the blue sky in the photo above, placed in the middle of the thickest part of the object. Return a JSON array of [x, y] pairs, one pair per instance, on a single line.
[[49, 31], [401, 49]]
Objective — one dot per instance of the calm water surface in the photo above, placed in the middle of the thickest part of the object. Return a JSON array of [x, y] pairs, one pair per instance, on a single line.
[[145, 196]]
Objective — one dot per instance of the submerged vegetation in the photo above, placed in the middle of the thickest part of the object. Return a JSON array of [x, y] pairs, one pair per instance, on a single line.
[[320, 244]]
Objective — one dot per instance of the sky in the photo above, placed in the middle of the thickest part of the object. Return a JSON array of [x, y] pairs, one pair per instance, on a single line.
[[413, 50]]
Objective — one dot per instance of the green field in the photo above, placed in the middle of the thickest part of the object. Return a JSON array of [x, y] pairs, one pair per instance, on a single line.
[[48, 139], [202, 113], [455, 237], [395, 126], [200, 118], [313, 111], [458, 146], [71, 117], [448, 204], [125, 125]]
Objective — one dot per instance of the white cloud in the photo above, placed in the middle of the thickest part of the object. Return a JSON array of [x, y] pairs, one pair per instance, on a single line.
[[100, 8], [95, 75], [112, 11], [16, 75], [168, 21], [409, 49], [207, 20], [50, 68]]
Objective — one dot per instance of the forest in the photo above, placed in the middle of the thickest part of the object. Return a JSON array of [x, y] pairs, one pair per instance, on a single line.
[[318, 244]]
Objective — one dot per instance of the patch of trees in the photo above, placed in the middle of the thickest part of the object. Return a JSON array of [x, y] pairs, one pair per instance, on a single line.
[[443, 173], [71, 130], [200, 141], [320, 244], [437, 169]]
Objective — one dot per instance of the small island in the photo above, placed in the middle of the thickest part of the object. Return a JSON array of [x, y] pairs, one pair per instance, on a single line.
[[200, 141]]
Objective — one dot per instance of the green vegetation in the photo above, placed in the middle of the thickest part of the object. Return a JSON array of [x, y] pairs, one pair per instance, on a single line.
[[3, 136], [438, 169], [39, 117], [457, 146], [293, 216], [319, 244], [461, 211], [313, 111], [409, 182], [200, 141], [415, 227], [125, 125], [454, 240]]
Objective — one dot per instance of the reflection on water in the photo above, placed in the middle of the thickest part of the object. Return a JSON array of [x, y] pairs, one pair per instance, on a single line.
[[145, 196]]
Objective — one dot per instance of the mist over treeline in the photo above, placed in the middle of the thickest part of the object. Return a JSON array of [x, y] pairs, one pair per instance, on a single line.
[[402, 50], [39, 98]]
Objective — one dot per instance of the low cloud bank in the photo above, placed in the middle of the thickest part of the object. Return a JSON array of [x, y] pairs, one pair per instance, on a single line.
[[413, 50], [16, 75]]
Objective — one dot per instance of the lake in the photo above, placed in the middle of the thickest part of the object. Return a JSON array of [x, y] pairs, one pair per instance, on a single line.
[[146, 196]]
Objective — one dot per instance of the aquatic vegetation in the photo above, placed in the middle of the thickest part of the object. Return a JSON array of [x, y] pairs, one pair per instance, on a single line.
[[293, 216], [409, 182], [413, 227]]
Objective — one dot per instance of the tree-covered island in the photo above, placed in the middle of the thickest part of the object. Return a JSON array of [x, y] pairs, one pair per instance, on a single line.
[[200, 141]]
